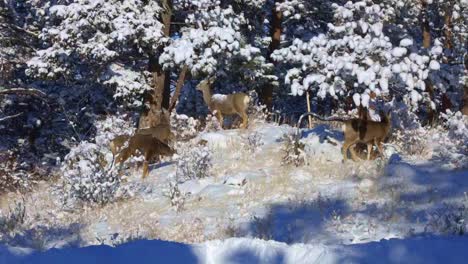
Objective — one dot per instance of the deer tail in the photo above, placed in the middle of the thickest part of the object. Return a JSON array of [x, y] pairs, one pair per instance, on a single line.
[[246, 100]]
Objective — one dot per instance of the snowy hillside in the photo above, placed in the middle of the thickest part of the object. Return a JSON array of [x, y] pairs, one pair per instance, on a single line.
[[252, 194]]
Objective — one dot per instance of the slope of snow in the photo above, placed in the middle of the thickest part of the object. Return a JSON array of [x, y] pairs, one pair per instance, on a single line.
[[252, 194]]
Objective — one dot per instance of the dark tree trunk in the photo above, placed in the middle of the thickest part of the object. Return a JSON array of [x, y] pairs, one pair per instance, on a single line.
[[426, 34], [426, 30], [158, 99], [448, 45], [266, 93], [448, 27], [464, 107]]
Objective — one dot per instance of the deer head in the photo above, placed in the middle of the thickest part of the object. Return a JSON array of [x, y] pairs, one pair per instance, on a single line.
[[206, 84]]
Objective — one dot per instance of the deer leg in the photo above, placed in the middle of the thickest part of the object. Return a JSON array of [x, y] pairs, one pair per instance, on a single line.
[[369, 149], [354, 156], [148, 155], [245, 120], [378, 143], [345, 148], [219, 116], [145, 169]]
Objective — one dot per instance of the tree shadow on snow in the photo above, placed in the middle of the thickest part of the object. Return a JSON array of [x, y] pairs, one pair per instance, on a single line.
[[158, 165], [297, 222], [420, 196], [250, 256], [142, 251], [43, 237], [323, 132]]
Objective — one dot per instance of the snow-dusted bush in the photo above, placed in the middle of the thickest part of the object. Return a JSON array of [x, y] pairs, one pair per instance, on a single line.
[[19, 171], [457, 125], [211, 124], [257, 112], [12, 221], [174, 194], [254, 141], [87, 172], [112, 126], [293, 150], [193, 163], [11, 176], [449, 220], [413, 142], [184, 127], [87, 175]]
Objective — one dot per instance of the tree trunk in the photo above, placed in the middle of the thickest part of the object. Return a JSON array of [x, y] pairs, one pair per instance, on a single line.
[[426, 33], [464, 107], [448, 27], [448, 45], [426, 30], [266, 93], [158, 99], [184, 74]]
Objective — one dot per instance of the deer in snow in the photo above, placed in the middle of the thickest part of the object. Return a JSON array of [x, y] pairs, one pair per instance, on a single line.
[[358, 130], [151, 142], [224, 104]]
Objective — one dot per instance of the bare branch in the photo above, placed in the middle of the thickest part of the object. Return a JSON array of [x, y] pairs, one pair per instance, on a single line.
[[25, 91], [179, 85], [10, 117]]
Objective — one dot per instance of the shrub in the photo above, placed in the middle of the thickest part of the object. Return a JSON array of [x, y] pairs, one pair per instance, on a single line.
[[193, 163], [11, 176], [413, 142], [85, 175], [176, 197], [449, 220], [457, 126], [12, 222], [211, 124], [254, 141], [87, 172], [19, 171], [293, 151], [184, 127]]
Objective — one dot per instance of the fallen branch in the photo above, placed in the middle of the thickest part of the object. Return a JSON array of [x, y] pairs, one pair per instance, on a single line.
[[10, 117], [25, 91]]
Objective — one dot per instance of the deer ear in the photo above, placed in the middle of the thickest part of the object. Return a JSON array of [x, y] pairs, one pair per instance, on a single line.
[[211, 79]]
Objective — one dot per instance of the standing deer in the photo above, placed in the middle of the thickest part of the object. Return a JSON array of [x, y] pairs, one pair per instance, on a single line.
[[151, 142], [368, 132], [361, 131], [224, 104]]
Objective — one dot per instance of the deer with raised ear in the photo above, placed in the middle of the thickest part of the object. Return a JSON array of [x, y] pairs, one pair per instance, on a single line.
[[225, 104], [151, 142]]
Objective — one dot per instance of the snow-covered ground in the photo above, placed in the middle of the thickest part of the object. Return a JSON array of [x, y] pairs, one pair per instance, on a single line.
[[311, 213]]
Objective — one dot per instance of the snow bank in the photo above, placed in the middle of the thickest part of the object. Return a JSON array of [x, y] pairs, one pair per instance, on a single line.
[[245, 250]]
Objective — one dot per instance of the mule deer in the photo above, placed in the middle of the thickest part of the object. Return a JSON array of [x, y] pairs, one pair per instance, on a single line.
[[225, 104], [362, 131], [146, 144]]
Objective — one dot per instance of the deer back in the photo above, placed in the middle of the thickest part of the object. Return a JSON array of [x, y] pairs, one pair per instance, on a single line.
[[161, 132]]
